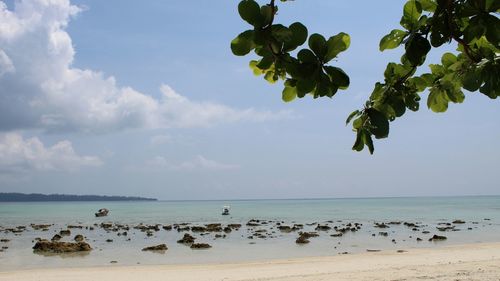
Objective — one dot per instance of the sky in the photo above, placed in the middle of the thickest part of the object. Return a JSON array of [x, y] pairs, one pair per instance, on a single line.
[[146, 99]]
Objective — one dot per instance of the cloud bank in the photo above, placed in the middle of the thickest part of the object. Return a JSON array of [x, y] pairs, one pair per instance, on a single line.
[[19, 155], [39, 88]]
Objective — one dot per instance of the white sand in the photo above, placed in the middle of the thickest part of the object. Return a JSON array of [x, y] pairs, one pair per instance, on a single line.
[[467, 262]]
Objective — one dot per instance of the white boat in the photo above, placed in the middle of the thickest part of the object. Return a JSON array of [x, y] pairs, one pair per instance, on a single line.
[[225, 210]]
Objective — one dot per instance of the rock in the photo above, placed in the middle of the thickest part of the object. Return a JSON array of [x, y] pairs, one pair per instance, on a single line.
[[437, 238], [109, 240], [56, 237], [167, 227], [285, 228], [426, 232], [61, 247], [4, 240], [322, 228], [445, 228], [381, 225], [234, 225], [106, 225], [419, 239], [383, 233], [66, 232], [198, 246], [458, 222], [75, 226], [302, 240], [213, 227], [186, 239], [370, 250], [183, 228], [308, 234], [78, 238], [113, 262], [227, 229], [42, 227], [198, 229], [161, 247], [304, 237], [336, 234], [401, 251]]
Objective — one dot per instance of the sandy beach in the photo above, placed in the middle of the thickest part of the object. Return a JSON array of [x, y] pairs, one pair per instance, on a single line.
[[465, 262]]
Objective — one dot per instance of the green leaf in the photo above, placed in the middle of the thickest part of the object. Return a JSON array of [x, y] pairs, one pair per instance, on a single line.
[[338, 76], [392, 40], [317, 43], [437, 100], [352, 115], [471, 81], [358, 123], [305, 86], [359, 143], [379, 122], [337, 44], [416, 49], [266, 62], [491, 86], [474, 30], [243, 43], [250, 12], [448, 59], [307, 56], [411, 13], [299, 36], [492, 30], [367, 139], [266, 12], [428, 5], [281, 33], [289, 94]]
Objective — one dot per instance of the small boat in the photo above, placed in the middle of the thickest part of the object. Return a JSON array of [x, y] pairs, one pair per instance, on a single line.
[[225, 210], [102, 212]]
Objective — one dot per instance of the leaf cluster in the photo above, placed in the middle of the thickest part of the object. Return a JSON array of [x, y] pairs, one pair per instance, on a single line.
[[303, 70]]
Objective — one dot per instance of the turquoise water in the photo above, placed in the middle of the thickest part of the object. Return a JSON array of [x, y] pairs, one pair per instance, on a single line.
[[428, 212]]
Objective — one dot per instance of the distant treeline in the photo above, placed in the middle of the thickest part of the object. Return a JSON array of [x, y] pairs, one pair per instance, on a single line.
[[36, 197]]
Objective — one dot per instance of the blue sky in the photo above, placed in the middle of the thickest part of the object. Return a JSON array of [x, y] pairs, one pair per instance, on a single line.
[[182, 118]]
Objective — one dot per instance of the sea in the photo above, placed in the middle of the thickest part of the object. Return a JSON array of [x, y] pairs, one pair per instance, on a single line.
[[481, 215]]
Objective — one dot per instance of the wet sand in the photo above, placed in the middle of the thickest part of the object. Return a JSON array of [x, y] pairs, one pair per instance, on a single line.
[[464, 262]]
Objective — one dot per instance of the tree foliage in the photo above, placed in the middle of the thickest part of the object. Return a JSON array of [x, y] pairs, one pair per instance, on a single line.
[[306, 69]]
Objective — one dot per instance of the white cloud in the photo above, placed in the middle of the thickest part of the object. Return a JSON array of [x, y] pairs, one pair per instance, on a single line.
[[39, 88], [198, 163], [22, 155]]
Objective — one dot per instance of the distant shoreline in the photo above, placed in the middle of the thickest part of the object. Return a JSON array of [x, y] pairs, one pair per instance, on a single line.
[[38, 197]]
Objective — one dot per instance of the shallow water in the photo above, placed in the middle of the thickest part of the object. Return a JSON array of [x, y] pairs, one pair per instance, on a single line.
[[236, 246]]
